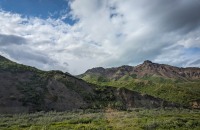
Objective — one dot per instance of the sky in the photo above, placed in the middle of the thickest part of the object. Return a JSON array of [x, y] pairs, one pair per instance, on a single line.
[[76, 35]]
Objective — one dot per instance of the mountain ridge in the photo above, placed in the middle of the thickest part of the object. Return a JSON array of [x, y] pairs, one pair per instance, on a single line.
[[25, 89], [171, 83], [148, 68]]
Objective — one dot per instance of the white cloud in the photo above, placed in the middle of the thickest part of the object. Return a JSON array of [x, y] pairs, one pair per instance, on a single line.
[[51, 40], [107, 33], [132, 31]]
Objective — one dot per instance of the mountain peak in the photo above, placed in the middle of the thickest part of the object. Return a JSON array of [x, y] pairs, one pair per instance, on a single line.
[[147, 62], [96, 70]]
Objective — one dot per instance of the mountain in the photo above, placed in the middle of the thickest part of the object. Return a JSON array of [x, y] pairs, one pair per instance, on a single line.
[[27, 89], [147, 69], [180, 85]]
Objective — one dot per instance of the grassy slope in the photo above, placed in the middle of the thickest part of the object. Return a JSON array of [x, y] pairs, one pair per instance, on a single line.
[[136, 119], [28, 88], [7, 65], [101, 98], [171, 90]]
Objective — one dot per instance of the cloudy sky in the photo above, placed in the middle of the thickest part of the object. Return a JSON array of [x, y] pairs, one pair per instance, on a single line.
[[76, 35]]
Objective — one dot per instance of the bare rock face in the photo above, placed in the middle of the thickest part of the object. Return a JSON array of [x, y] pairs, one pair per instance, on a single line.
[[133, 99], [98, 70], [109, 73], [148, 68], [166, 71]]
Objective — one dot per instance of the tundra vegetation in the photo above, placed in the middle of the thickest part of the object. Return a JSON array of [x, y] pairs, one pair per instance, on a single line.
[[107, 119]]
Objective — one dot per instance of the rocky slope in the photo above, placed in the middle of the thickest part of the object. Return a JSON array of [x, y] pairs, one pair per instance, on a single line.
[[27, 89], [147, 69]]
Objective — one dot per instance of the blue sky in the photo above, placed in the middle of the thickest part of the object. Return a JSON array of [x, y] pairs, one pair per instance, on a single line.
[[38, 8], [78, 35]]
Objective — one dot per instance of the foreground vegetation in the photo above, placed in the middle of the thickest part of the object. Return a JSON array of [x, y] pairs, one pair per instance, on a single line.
[[179, 119]]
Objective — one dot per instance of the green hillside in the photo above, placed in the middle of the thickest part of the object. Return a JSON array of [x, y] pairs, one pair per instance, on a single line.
[[179, 91]]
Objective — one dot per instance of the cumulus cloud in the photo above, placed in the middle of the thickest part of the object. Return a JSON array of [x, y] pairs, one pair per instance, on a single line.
[[46, 44], [106, 33], [133, 31]]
